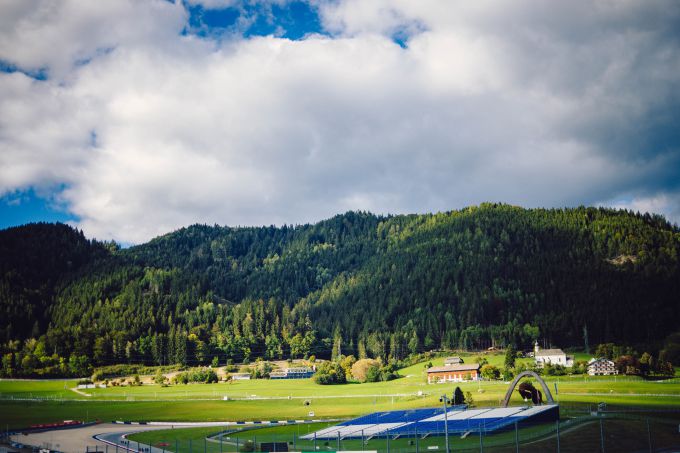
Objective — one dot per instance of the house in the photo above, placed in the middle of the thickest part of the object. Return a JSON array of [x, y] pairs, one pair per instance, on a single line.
[[601, 367], [293, 373], [551, 356], [453, 373], [453, 361]]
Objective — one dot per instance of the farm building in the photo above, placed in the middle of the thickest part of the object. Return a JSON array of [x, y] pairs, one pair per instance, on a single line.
[[453, 361], [453, 373], [601, 367], [551, 356]]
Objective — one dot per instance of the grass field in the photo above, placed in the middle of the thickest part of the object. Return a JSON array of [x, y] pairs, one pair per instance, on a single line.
[[29, 402]]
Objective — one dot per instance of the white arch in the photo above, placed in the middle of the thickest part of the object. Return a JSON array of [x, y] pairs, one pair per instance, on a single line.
[[533, 374]]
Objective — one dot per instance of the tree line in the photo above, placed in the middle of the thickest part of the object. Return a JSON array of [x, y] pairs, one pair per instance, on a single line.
[[380, 287]]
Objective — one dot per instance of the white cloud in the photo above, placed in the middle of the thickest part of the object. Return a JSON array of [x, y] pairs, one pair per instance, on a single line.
[[525, 106], [662, 203], [57, 35]]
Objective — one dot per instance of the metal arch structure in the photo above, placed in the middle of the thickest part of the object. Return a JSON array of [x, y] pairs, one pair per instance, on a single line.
[[532, 374]]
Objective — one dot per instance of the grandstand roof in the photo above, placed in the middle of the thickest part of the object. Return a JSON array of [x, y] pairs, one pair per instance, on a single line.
[[416, 422]]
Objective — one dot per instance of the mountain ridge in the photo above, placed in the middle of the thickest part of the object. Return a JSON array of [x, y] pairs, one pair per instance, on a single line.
[[369, 285]]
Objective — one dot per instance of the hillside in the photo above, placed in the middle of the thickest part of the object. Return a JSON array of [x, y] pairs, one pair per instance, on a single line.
[[360, 283]]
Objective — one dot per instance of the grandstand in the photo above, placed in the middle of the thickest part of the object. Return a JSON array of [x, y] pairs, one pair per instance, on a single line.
[[424, 422]]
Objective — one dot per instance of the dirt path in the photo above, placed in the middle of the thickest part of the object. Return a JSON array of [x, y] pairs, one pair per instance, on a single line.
[[79, 392]]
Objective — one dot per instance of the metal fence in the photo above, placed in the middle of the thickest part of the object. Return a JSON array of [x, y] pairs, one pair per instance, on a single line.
[[592, 433]]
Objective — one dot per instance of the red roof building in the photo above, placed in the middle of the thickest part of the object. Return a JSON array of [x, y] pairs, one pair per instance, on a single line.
[[453, 373]]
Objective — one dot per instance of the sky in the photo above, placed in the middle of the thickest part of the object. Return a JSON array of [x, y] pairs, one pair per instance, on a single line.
[[131, 118]]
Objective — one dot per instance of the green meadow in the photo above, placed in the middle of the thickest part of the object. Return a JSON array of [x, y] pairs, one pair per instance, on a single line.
[[29, 402]]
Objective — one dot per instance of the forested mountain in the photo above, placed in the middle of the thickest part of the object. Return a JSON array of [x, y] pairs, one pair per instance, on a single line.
[[34, 260], [357, 283]]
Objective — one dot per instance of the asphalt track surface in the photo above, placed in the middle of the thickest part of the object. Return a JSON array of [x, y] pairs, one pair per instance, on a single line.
[[105, 437]]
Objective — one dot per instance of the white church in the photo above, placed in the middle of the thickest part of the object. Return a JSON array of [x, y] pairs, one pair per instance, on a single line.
[[551, 356]]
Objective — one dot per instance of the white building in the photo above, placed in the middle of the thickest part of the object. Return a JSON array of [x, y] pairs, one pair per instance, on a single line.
[[601, 367], [240, 376], [551, 356]]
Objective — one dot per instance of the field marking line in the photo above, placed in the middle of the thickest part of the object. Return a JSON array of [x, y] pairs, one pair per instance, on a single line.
[[672, 395], [79, 392]]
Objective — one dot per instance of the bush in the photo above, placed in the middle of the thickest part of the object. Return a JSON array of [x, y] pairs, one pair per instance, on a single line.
[[159, 378], [261, 370], [507, 374], [361, 367], [373, 373], [330, 373], [205, 375], [490, 372], [181, 378], [458, 397], [377, 373], [468, 399]]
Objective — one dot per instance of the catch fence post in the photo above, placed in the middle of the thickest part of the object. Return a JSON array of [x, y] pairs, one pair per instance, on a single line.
[[338, 440], [417, 440], [315, 441], [649, 437], [516, 439], [557, 423], [481, 441], [190, 446], [205, 446], [221, 436], [387, 434], [601, 437]]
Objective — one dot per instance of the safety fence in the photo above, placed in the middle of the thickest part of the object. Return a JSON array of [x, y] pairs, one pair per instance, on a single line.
[[602, 432]]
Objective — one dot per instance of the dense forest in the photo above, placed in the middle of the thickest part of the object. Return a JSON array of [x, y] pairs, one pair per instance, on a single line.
[[356, 283]]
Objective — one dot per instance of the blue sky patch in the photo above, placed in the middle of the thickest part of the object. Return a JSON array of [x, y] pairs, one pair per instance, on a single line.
[[292, 20], [7, 67], [25, 206]]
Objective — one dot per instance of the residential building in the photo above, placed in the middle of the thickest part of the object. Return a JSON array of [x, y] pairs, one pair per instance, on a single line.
[[601, 367]]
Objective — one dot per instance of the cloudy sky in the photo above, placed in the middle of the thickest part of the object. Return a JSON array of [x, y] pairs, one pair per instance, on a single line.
[[130, 118]]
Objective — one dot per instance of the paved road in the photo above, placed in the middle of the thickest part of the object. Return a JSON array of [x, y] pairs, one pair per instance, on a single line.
[[104, 437], [78, 439], [121, 444]]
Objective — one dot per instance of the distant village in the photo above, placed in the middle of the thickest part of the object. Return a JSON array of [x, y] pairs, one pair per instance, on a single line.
[[553, 361]]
